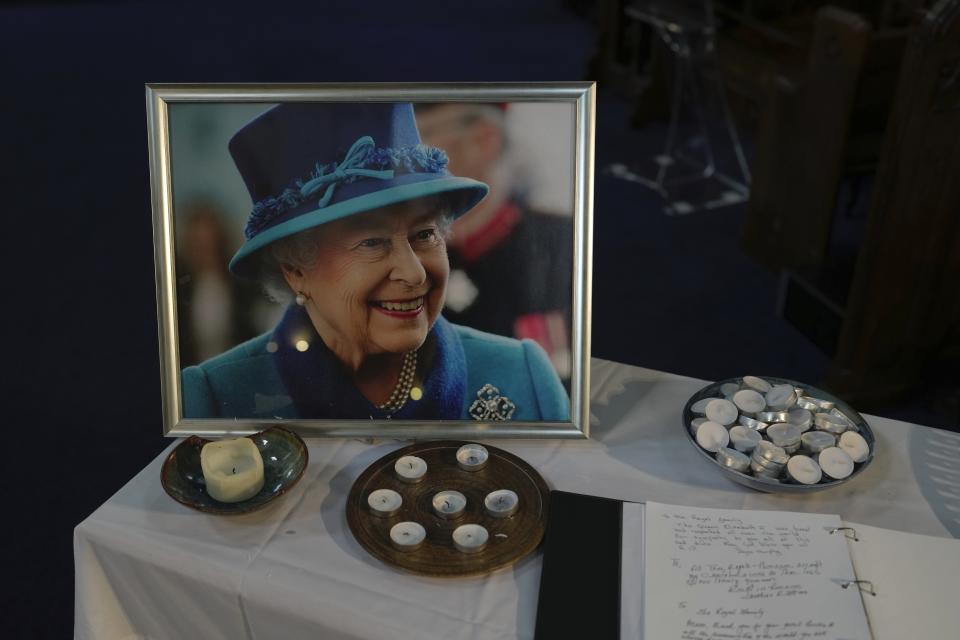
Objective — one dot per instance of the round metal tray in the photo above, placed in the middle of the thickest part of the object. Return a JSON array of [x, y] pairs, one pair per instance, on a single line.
[[771, 485]]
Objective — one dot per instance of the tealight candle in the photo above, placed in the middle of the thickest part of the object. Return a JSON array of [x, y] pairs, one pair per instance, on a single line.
[[780, 397], [835, 462], [749, 401], [801, 418], [744, 439], [757, 384], [449, 504], [769, 452], [771, 417], [768, 460], [384, 502], [765, 469], [472, 457], [830, 423], [733, 459], [470, 538], [817, 441], [502, 503], [729, 388], [711, 436], [750, 423], [721, 411], [410, 469], [855, 445], [232, 469], [816, 404], [407, 536], [851, 425], [784, 435], [804, 470], [700, 406], [695, 424]]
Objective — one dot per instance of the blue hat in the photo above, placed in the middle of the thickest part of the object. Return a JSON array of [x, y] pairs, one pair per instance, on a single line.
[[309, 163]]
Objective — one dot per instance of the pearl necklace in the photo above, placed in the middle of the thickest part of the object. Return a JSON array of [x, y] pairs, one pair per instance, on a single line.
[[402, 391]]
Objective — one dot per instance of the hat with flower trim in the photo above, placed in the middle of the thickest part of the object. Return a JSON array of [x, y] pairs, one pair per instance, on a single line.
[[309, 163]]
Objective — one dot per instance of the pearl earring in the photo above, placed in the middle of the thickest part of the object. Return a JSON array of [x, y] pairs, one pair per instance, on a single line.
[[301, 298]]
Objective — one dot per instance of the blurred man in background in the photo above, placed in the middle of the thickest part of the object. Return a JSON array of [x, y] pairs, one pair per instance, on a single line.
[[511, 266]]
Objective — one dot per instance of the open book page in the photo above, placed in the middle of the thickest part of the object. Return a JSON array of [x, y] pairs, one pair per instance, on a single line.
[[631, 572], [719, 574], [916, 580]]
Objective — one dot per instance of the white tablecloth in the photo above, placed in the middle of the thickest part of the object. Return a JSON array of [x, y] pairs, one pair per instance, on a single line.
[[148, 567]]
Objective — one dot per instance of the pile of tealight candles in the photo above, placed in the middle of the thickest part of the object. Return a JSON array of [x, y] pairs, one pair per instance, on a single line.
[[778, 432], [447, 505]]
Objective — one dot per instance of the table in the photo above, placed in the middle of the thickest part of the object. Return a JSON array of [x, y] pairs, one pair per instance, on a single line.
[[148, 567]]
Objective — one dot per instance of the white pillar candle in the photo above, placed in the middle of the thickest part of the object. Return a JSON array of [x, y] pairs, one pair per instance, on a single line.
[[449, 504], [470, 538], [410, 469], [711, 436], [835, 462], [757, 384], [722, 411], [407, 536], [472, 457], [804, 470], [232, 469], [855, 445], [502, 503], [749, 401], [384, 502]]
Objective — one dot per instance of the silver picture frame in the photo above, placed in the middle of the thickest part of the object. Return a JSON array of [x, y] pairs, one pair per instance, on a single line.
[[581, 98]]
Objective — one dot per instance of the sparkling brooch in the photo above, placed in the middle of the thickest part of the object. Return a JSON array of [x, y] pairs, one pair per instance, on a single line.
[[490, 405]]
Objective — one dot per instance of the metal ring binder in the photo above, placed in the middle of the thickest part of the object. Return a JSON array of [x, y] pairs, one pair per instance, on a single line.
[[852, 535], [861, 584]]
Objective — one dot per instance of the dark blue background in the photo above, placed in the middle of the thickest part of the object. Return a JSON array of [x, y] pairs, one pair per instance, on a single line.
[[81, 386]]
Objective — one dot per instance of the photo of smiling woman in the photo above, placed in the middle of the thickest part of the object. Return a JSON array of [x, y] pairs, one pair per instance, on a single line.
[[349, 225]]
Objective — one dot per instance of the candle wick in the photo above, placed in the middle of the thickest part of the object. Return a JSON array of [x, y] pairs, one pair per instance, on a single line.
[[446, 504], [234, 470]]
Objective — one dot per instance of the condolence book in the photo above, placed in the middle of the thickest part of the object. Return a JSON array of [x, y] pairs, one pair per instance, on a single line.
[[659, 572], [719, 574]]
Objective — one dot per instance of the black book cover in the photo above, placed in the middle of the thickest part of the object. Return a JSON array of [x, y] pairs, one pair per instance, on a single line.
[[580, 581]]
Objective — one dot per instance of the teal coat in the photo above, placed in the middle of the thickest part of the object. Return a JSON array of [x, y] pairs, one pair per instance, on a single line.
[[268, 378]]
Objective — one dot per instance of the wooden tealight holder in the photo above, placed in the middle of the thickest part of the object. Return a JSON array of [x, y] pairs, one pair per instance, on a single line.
[[510, 538]]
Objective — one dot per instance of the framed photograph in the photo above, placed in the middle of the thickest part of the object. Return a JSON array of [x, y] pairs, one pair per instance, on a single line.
[[385, 260]]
